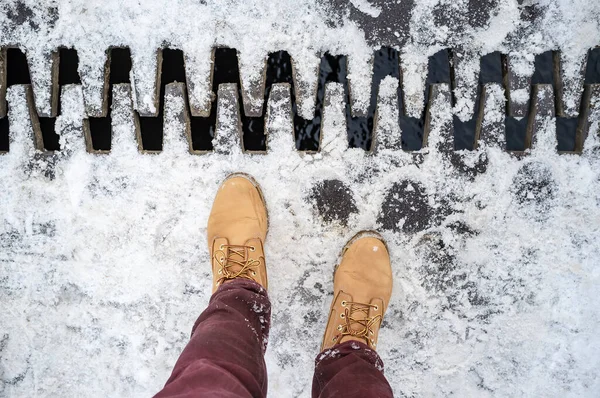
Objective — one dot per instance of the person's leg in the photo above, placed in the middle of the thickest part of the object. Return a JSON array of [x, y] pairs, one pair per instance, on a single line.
[[348, 365], [350, 369], [225, 356]]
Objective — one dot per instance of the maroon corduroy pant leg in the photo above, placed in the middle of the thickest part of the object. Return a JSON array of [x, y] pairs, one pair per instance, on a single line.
[[350, 370], [225, 356]]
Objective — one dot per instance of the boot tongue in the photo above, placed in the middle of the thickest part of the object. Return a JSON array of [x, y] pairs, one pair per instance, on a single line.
[[236, 255], [363, 340]]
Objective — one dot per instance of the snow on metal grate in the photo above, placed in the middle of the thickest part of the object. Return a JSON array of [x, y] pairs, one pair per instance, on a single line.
[[567, 99]]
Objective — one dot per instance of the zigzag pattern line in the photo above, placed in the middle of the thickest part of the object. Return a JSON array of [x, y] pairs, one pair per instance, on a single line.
[[545, 91]]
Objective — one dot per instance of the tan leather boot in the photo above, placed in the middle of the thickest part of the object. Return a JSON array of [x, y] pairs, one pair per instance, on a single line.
[[237, 228], [362, 287]]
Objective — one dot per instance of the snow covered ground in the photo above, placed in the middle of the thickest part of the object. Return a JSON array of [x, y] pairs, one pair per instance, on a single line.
[[103, 258]]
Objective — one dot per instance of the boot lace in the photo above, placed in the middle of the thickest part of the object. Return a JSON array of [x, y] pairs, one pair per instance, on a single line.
[[231, 257], [357, 314]]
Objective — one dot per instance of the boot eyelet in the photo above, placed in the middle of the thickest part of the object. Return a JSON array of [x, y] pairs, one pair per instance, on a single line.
[[252, 248], [333, 339], [342, 315], [343, 303], [340, 327], [222, 259], [253, 273], [221, 247], [219, 272], [376, 308]]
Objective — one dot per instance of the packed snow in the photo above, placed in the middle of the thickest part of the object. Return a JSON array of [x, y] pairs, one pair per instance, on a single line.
[[104, 265]]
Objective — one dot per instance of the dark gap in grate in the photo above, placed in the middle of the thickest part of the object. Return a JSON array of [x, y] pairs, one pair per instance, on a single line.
[[544, 69], [4, 141], [592, 71], [100, 133], [490, 67], [566, 130], [516, 132], [100, 128], [49, 136], [173, 68], [17, 69], [438, 70], [120, 66], [68, 67]]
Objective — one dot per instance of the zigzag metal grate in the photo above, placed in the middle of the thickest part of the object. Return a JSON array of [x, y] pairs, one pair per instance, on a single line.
[[495, 69]]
